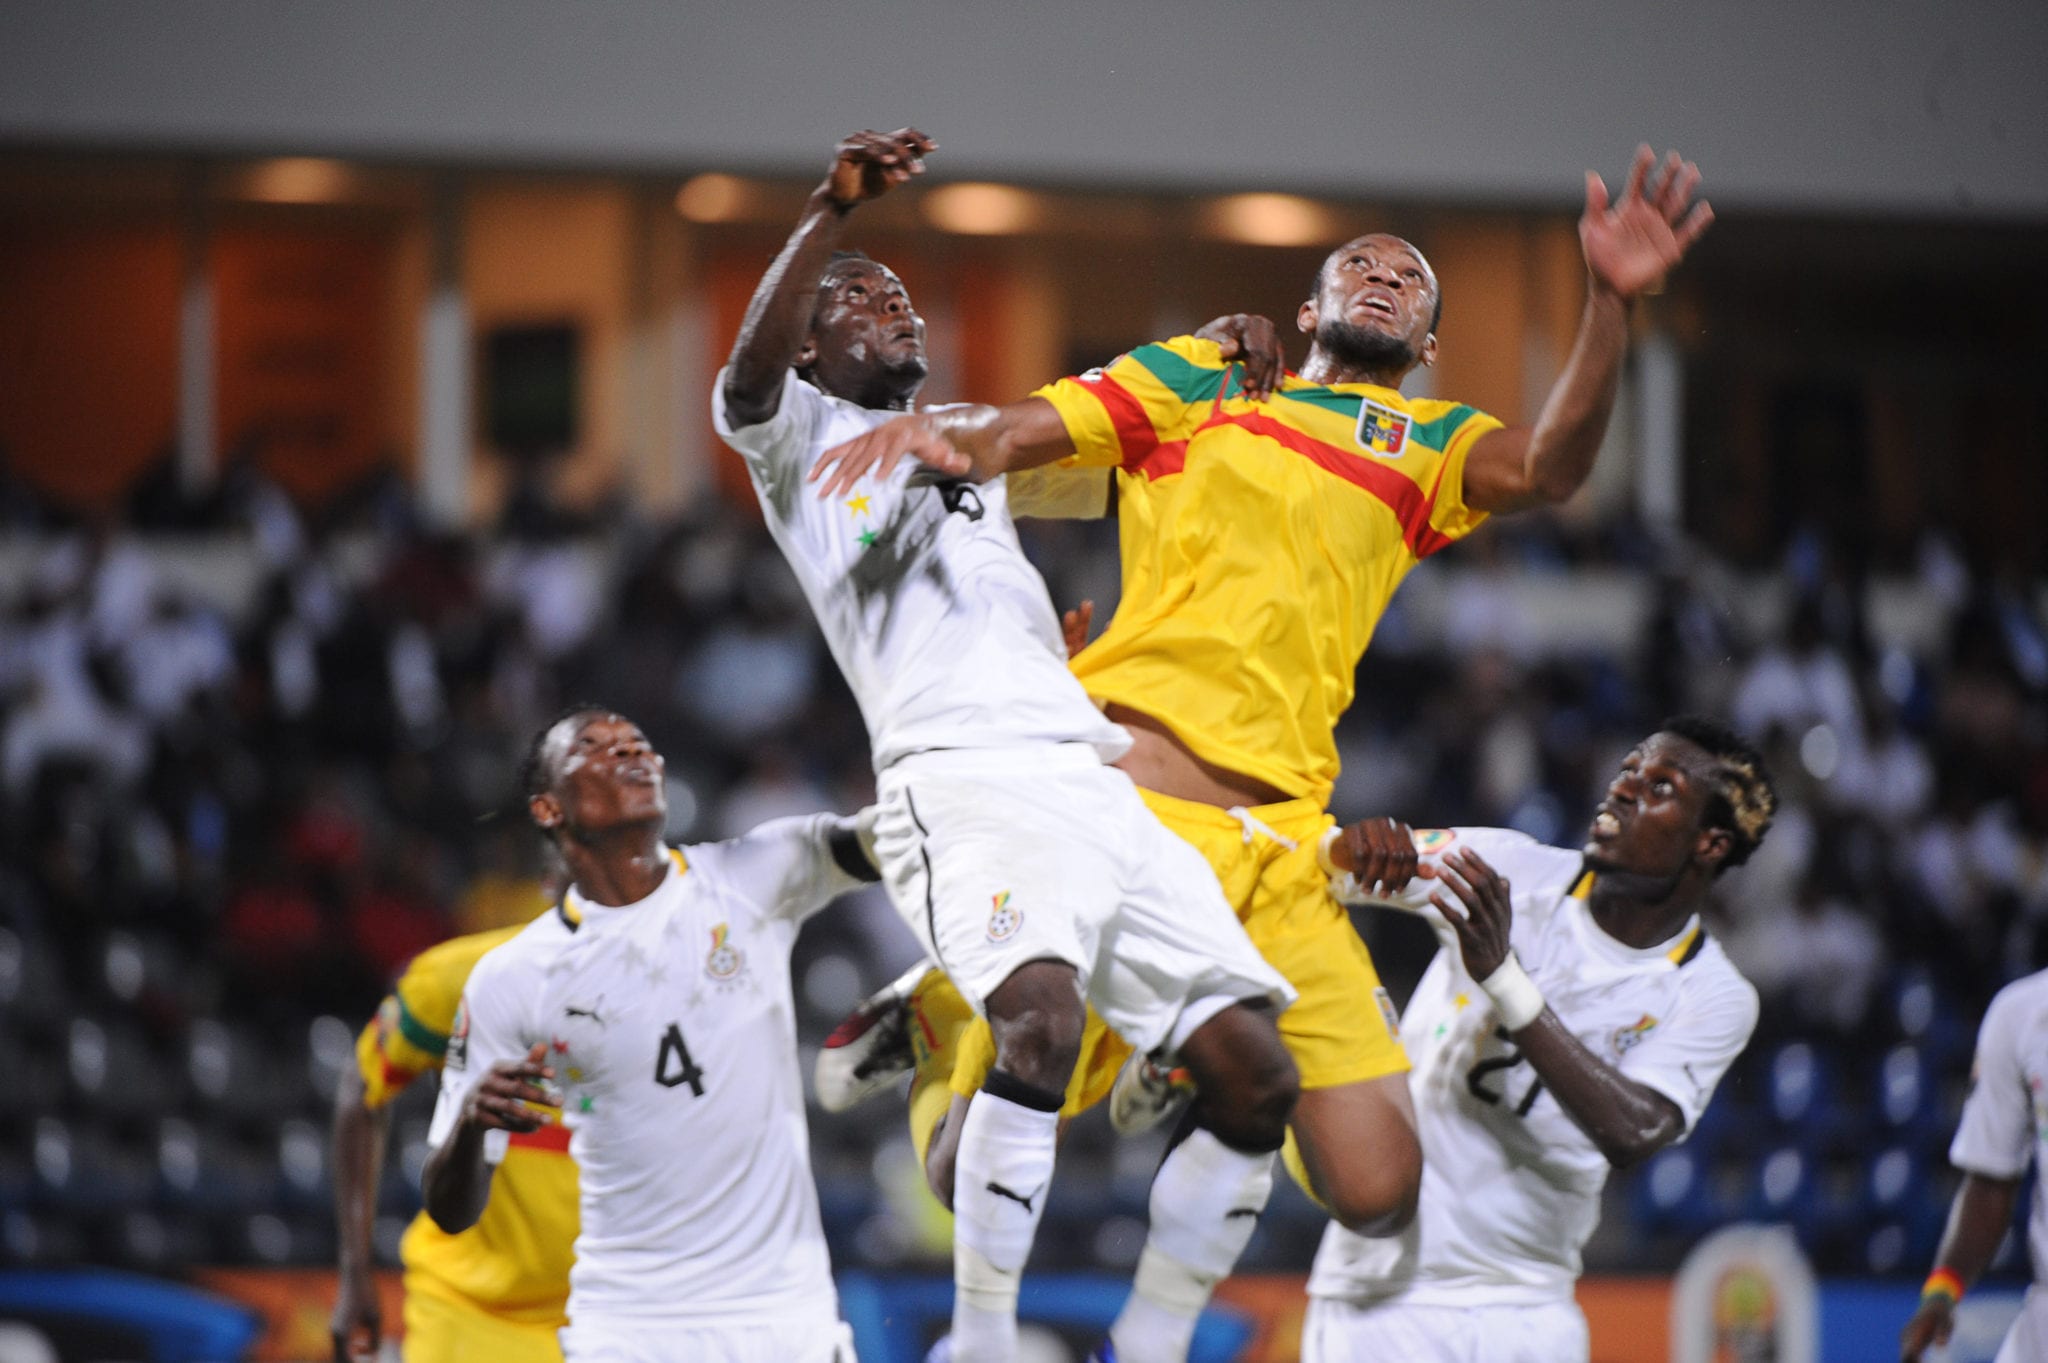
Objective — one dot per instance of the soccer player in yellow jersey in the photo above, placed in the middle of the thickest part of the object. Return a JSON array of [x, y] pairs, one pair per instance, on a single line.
[[1263, 531], [499, 1290]]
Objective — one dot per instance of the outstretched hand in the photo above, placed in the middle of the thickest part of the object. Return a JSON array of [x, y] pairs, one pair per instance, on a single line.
[[1633, 243], [880, 450], [1254, 342], [1483, 916], [867, 165]]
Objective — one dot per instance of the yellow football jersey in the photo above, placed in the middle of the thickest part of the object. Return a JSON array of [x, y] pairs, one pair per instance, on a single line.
[[1261, 542], [514, 1263]]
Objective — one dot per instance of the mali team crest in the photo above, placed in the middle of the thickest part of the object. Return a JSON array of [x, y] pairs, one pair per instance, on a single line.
[[1382, 430]]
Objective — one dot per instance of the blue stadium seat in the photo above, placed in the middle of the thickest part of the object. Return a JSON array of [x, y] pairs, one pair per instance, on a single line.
[[206, 1169], [1907, 1099], [31, 982], [80, 1170], [1786, 1188], [113, 1071], [1674, 1192], [303, 1183], [1924, 1015], [1798, 1086]]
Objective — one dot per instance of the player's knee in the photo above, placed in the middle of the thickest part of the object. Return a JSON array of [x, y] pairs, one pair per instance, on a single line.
[[1041, 1048], [1251, 1112], [1038, 1018]]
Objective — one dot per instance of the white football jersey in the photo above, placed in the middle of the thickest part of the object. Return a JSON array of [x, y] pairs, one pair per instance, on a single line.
[[671, 1029], [2005, 1121], [942, 627], [1510, 1184]]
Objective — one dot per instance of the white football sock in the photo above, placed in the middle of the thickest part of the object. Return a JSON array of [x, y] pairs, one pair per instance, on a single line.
[[1001, 1177], [1205, 1204]]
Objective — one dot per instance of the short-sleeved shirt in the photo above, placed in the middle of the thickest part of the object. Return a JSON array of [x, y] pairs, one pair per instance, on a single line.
[[514, 1262], [942, 627], [672, 1032], [1261, 542], [2005, 1120], [1510, 1184]]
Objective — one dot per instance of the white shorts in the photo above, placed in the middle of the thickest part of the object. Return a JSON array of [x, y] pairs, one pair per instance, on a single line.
[[1338, 1331], [663, 1339], [1004, 856]]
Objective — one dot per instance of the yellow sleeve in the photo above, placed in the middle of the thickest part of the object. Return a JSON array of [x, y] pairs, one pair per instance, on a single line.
[[409, 1034], [1459, 427], [1119, 414]]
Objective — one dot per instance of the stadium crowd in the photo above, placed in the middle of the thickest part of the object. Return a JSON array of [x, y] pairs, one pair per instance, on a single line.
[[238, 797]]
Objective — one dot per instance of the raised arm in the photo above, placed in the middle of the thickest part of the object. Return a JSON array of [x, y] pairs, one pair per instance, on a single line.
[[360, 1133], [1627, 1120], [1630, 246], [864, 166]]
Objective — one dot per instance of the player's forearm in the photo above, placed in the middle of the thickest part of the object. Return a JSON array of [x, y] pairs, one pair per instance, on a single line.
[[1525, 466], [1977, 1221], [1628, 1121], [456, 1183], [779, 314], [360, 1135], [1021, 435], [1568, 431]]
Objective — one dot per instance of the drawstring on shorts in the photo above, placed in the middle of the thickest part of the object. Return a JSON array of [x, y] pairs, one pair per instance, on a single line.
[[1253, 824]]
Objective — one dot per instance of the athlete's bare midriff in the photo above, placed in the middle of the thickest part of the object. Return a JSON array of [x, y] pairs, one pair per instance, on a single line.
[[1160, 762]]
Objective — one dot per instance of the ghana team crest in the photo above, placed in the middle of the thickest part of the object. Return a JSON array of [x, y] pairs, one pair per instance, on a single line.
[[1430, 841], [1382, 430], [725, 961], [1003, 921], [1628, 1038]]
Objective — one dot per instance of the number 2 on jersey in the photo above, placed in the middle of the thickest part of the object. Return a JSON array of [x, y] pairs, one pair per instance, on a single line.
[[1494, 1064], [687, 1071]]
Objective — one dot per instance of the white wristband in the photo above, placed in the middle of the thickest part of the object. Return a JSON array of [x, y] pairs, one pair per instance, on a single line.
[[1516, 999]]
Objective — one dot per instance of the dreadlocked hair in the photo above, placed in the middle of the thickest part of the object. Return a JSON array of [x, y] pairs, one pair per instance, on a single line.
[[1745, 798]]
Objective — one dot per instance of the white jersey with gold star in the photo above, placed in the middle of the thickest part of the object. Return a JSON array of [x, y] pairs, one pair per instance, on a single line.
[[942, 627], [671, 1030], [1510, 1184]]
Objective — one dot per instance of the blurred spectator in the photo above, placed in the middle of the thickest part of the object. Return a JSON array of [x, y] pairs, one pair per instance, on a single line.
[[1815, 962]]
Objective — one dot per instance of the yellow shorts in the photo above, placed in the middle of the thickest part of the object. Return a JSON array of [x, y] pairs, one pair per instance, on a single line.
[[1342, 1030], [438, 1330]]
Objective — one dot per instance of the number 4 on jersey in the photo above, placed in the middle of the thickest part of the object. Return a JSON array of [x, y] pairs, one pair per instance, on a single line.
[[686, 1071]]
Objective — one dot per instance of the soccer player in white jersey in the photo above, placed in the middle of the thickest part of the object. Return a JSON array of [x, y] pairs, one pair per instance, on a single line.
[[2004, 1128], [1027, 866], [653, 1009], [1577, 1019]]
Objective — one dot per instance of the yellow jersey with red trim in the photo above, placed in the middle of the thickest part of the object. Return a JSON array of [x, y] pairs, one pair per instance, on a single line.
[[514, 1263], [1261, 543]]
